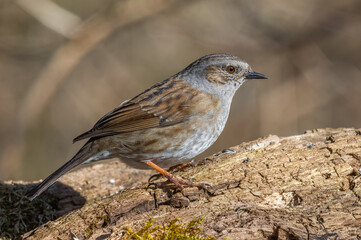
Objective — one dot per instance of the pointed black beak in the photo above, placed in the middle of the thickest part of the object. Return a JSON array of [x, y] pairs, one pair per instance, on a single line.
[[255, 75]]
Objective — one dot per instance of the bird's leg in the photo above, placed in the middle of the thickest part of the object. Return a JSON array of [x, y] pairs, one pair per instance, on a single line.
[[178, 182], [175, 168]]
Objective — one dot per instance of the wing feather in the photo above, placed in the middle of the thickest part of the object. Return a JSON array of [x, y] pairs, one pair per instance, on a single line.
[[162, 105]]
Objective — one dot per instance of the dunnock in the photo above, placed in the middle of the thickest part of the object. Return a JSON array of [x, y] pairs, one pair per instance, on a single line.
[[167, 124]]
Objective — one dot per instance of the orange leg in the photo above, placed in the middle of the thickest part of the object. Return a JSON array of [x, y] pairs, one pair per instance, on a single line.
[[172, 179], [176, 168]]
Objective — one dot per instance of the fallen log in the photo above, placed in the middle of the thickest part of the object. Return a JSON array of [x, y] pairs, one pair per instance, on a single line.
[[300, 187]]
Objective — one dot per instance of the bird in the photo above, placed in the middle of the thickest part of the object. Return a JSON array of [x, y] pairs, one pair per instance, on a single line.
[[168, 124]]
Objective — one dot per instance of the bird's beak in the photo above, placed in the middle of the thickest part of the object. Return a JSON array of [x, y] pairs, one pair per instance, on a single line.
[[255, 75]]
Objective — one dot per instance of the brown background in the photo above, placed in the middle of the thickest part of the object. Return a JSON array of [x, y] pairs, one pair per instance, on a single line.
[[58, 76]]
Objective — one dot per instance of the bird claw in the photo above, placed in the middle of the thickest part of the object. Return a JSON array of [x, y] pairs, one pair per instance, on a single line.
[[176, 168], [176, 183], [154, 178], [172, 182], [165, 185]]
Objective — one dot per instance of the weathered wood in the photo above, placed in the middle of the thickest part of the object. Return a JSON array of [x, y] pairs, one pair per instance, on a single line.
[[299, 187]]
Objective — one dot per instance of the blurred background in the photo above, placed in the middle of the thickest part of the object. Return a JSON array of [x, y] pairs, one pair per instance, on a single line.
[[64, 64]]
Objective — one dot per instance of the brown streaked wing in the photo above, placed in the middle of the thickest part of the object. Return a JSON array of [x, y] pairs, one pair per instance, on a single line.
[[162, 105]]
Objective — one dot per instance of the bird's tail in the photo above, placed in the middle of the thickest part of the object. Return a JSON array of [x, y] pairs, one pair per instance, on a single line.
[[82, 156]]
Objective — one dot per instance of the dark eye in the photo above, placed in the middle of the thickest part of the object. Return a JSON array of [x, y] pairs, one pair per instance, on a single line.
[[231, 69]]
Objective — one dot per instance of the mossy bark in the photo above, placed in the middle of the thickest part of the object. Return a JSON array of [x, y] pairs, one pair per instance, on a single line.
[[299, 187]]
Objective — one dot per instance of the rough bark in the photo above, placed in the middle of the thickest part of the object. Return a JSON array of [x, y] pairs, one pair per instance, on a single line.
[[299, 187]]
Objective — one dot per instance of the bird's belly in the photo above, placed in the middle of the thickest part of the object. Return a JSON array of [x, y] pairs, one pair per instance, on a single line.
[[166, 146]]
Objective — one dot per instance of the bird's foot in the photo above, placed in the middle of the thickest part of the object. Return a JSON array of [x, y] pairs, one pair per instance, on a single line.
[[178, 183], [173, 169], [172, 181]]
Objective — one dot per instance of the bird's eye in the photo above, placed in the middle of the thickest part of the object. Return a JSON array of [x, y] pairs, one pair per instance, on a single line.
[[231, 69]]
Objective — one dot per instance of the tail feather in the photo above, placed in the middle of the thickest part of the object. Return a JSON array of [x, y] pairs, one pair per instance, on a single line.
[[82, 156]]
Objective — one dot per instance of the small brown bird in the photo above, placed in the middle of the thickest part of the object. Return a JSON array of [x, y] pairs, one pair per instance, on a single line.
[[167, 124]]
